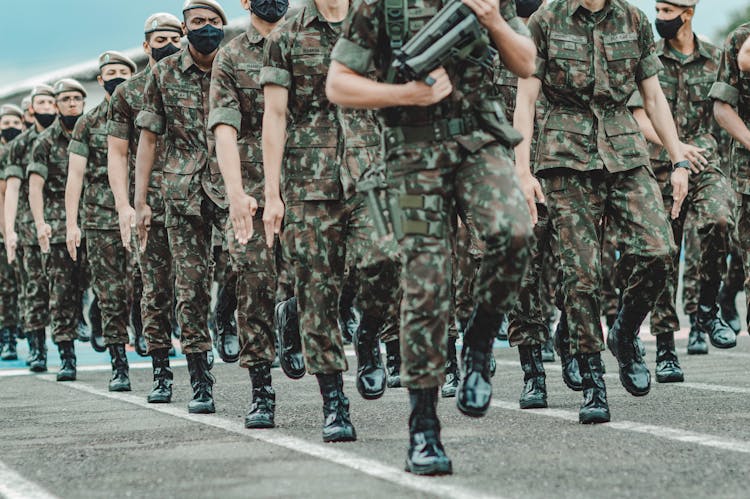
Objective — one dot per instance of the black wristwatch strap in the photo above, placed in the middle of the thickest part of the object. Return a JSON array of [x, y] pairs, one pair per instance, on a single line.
[[681, 164]]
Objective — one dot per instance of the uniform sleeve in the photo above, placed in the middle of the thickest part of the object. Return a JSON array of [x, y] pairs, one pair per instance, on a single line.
[[649, 64], [636, 100], [12, 167], [540, 40], [152, 117], [79, 141], [119, 115], [276, 67], [39, 158], [726, 87], [508, 10], [359, 37], [224, 100]]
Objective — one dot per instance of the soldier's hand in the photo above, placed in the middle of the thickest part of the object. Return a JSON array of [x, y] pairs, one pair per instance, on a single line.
[[143, 223], [43, 235], [694, 154], [11, 244], [487, 11], [679, 190], [422, 94], [241, 213], [532, 192], [273, 215], [126, 217], [73, 241]]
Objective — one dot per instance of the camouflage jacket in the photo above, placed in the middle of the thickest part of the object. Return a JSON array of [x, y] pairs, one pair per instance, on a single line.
[[733, 87], [49, 160], [175, 104], [686, 83], [18, 158], [90, 141], [124, 107], [236, 100], [589, 65], [297, 57]]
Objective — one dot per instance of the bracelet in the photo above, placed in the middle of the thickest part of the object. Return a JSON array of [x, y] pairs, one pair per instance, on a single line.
[[681, 164]]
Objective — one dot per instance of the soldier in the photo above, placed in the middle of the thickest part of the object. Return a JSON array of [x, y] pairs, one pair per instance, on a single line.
[[28, 115], [236, 117], [593, 160], [442, 157], [111, 269], [47, 173], [162, 33], [176, 107], [35, 295], [690, 67], [327, 227], [731, 95]]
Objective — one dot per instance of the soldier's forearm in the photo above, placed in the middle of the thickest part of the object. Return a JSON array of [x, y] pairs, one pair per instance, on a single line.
[[228, 156], [517, 52], [117, 171], [36, 198], [730, 121], [11, 204], [523, 121], [647, 128], [73, 188], [658, 111], [274, 131], [346, 88], [144, 165]]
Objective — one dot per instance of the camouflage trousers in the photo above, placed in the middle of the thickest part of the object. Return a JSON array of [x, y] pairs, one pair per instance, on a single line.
[[9, 291], [255, 272], [436, 180], [284, 273], [112, 279], [66, 279], [743, 240], [158, 289], [709, 206], [630, 201], [466, 258], [321, 239], [35, 298], [610, 295], [190, 245]]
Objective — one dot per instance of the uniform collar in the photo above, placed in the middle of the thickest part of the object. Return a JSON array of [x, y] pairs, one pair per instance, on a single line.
[[253, 35], [187, 63], [574, 5], [666, 50], [312, 13]]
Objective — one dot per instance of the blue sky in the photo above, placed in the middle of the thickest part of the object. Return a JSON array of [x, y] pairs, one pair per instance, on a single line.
[[44, 35]]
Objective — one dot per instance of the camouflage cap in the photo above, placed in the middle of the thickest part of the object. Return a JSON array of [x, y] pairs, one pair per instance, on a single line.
[[68, 85], [205, 4], [113, 57], [11, 110], [162, 21], [42, 90], [680, 3]]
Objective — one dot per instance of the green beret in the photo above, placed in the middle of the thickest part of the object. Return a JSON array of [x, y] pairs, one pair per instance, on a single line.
[[113, 57], [11, 110], [162, 21], [68, 85], [205, 4]]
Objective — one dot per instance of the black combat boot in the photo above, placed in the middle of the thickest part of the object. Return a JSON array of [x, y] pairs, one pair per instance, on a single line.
[[263, 405], [570, 372], [120, 382], [337, 425], [668, 368], [475, 390], [697, 339], [621, 340], [594, 408], [8, 351], [139, 341], [728, 306], [452, 373], [370, 370], [67, 370], [290, 345], [393, 363], [227, 339], [548, 351], [32, 347], [38, 363], [161, 391], [534, 394], [202, 382], [426, 455], [349, 316], [719, 333], [97, 332]]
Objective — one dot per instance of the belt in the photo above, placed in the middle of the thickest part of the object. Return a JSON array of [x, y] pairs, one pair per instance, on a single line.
[[440, 130]]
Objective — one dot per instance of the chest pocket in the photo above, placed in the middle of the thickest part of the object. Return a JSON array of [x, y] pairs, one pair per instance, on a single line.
[[669, 87], [184, 108], [699, 88], [623, 53], [251, 96], [569, 61], [98, 154], [310, 68]]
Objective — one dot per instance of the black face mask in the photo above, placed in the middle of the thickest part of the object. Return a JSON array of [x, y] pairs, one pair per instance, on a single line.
[[111, 85], [165, 51], [668, 29], [269, 10], [207, 39], [28, 124], [11, 133], [69, 121], [45, 120], [524, 8]]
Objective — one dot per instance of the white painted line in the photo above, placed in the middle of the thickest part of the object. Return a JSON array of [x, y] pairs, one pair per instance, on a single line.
[[329, 452], [14, 486], [92, 368]]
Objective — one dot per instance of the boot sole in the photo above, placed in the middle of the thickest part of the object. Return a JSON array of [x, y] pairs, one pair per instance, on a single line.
[[38, 369], [448, 394], [670, 379], [259, 425], [66, 378], [722, 347], [633, 391], [429, 470], [98, 348], [697, 352], [370, 395], [394, 384], [158, 400], [10, 357], [597, 419], [340, 437], [537, 404], [288, 371], [120, 389], [207, 409], [572, 386], [472, 413]]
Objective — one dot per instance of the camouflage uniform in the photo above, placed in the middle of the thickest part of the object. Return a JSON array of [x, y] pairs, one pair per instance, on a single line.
[[49, 160], [593, 157], [110, 265], [155, 261], [236, 100], [9, 275], [35, 292], [175, 105], [458, 168], [327, 226], [733, 87], [686, 82]]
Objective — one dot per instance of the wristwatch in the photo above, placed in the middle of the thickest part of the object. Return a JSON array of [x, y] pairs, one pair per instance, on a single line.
[[681, 164]]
